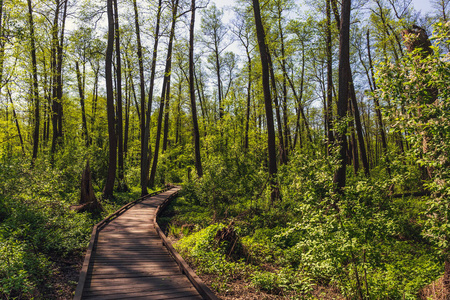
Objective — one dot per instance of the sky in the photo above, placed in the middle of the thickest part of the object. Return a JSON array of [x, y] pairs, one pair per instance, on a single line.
[[422, 5]]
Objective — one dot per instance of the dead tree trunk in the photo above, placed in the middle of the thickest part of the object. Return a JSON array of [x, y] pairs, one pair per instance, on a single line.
[[88, 201]]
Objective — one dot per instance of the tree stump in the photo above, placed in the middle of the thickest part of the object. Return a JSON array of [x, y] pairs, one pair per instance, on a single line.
[[88, 201]]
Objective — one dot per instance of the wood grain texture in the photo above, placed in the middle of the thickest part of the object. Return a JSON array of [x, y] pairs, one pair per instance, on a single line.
[[126, 258]]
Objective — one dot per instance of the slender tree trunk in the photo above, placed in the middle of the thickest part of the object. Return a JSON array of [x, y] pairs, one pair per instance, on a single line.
[[299, 99], [164, 97], [267, 101], [196, 132], [16, 121], [277, 107], [169, 61], [359, 129], [353, 143], [144, 141], [285, 91], [329, 112], [122, 184], [35, 89], [127, 111], [377, 104], [2, 46], [344, 89], [59, 73], [83, 110], [249, 96], [109, 186], [146, 151], [219, 79], [54, 50]]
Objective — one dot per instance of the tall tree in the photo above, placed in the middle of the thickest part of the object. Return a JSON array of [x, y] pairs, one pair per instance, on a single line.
[[196, 132], [267, 101], [34, 89], [144, 141], [145, 155], [169, 61], [112, 160], [329, 108], [164, 94], [214, 32], [344, 93], [82, 102], [122, 184]]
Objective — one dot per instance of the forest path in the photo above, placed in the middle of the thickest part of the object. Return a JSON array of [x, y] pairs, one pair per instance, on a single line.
[[127, 259]]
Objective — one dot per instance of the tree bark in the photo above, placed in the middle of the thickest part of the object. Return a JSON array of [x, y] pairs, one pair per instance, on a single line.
[[267, 101], [16, 121], [196, 132], [359, 129], [277, 107], [375, 99], [329, 112], [35, 90], [169, 61], [119, 120], [144, 142], [83, 110], [344, 89], [164, 96], [112, 161], [145, 165]]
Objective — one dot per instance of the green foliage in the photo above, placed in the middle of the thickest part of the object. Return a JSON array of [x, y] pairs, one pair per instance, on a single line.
[[37, 225], [419, 85], [360, 242]]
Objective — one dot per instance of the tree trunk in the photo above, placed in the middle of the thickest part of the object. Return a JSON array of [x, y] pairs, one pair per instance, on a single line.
[[88, 201], [145, 159], [144, 142], [375, 99], [300, 108], [249, 95], [35, 89], [16, 121], [329, 111], [109, 186], [169, 61], [267, 102], [122, 184], [277, 107], [359, 129], [285, 91], [83, 110], [196, 132], [164, 96], [344, 89]]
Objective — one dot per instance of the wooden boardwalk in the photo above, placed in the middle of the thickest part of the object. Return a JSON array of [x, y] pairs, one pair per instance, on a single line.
[[128, 260]]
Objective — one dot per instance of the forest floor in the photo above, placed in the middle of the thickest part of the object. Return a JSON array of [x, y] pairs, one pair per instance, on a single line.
[[66, 271]]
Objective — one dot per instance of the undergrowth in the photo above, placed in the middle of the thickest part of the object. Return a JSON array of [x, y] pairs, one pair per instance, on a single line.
[[37, 226], [364, 244]]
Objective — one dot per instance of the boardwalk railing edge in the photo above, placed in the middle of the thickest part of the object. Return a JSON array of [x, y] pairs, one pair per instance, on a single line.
[[97, 227], [201, 287]]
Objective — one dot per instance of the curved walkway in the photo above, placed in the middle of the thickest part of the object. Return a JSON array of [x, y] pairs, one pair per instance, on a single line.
[[127, 259]]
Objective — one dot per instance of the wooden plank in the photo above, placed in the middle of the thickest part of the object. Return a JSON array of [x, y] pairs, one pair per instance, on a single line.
[[134, 291], [129, 260], [150, 295]]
